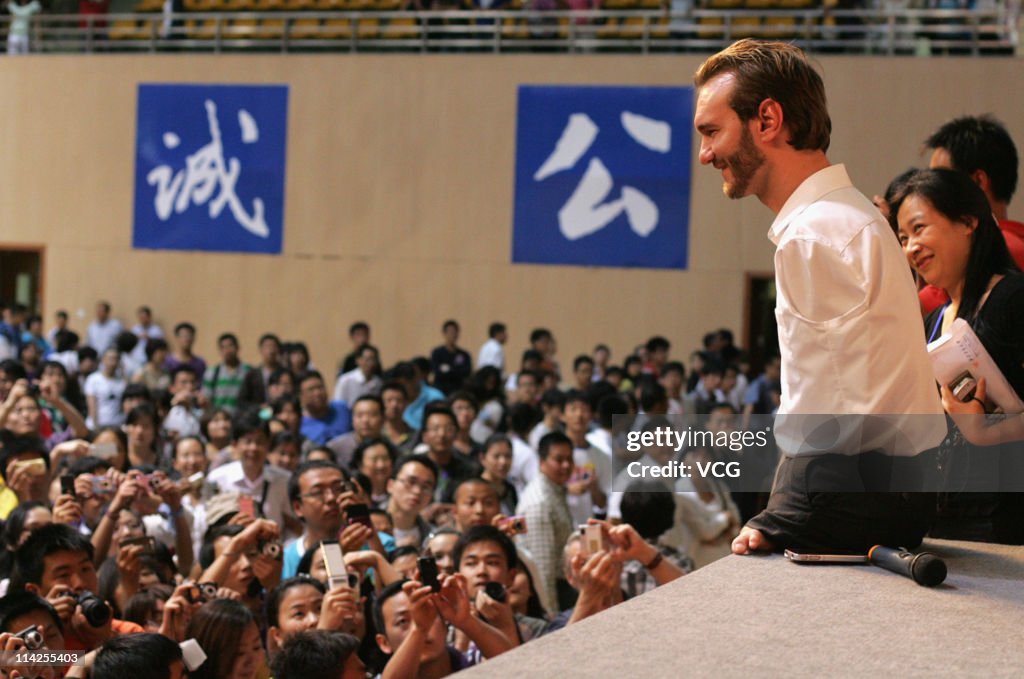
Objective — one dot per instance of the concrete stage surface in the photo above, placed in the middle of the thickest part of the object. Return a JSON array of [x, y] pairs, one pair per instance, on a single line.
[[762, 616]]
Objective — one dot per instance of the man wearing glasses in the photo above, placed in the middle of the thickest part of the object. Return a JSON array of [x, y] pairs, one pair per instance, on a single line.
[[411, 489], [439, 428]]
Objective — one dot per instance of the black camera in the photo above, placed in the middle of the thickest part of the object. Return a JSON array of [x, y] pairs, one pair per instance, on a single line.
[[496, 591], [272, 549], [96, 611], [32, 637]]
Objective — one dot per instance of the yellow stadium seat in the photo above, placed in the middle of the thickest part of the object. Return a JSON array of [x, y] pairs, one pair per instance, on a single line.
[[205, 29], [147, 6]]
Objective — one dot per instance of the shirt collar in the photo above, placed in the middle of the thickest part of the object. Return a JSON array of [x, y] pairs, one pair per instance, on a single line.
[[552, 486], [810, 191]]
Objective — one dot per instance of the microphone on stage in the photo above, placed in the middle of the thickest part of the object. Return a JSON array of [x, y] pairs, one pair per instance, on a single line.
[[925, 569]]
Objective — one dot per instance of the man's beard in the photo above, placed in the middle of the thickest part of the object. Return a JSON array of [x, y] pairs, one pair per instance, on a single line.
[[743, 164]]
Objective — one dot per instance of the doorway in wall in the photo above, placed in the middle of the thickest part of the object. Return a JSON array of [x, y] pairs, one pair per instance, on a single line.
[[762, 338], [21, 276]]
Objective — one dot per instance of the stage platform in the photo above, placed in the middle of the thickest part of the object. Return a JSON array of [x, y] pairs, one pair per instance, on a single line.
[[762, 616]]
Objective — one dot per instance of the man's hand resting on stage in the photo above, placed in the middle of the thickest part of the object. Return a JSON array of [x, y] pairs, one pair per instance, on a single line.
[[751, 540]]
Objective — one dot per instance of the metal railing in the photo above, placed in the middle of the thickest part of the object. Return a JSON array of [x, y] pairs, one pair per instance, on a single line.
[[882, 31]]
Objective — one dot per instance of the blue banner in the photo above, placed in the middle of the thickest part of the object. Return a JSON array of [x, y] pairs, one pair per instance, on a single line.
[[603, 176], [210, 167]]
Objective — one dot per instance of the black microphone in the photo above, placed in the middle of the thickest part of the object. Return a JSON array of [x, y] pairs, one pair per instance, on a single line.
[[925, 569]]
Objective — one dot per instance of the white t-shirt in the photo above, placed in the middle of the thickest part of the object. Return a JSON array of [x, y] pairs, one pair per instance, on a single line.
[[107, 391], [101, 335]]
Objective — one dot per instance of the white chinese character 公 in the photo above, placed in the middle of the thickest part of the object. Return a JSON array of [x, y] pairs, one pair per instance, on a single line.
[[586, 211]]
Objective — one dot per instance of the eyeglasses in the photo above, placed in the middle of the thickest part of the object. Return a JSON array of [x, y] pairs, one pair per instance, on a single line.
[[322, 494], [412, 484], [442, 430]]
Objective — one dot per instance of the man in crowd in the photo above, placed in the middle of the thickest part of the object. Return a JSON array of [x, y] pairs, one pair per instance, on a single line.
[[251, 476], [417, 393], [102, 331], [315, 491], [410, 491], [451, 364], [56, 562], [439, 429], [361, 381], [544, 504], [184, 339], [255, 383], [223, 382], [359, 334], [395, 428], [321, 420], [145, 330], [367, 423], [493, 350]]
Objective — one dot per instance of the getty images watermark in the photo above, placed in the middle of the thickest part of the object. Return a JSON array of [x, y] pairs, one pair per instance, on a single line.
[[692, 453], [665, 438]]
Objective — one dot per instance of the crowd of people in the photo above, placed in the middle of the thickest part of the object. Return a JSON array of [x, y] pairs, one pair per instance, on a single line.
[[430, 515]]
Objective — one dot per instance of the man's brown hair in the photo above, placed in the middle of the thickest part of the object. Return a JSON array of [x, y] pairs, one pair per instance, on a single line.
[[777, 71]]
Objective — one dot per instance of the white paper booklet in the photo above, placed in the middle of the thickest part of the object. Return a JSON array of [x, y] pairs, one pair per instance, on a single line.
[[960, 351]]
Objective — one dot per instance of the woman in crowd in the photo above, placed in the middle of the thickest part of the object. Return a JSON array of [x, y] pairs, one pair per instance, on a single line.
[[216, 429], [486, 385], [228, 634], [25, 518], [375, 459], [62, 402], [466, 410], [141, 428], [497, 462], [152, 374], [945, 225], [115, 440]]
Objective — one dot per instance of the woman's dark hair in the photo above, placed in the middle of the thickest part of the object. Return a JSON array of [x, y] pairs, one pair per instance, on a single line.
[[141, 608], [477, 385], [141, 411], [218, 627], [12, 531], [959, 199], [16, 522], [277, 406], [272, 606], [278, 373], [493, 440], [534, 609], [72, 391], [360, 451], [204, 423], [122, 440]]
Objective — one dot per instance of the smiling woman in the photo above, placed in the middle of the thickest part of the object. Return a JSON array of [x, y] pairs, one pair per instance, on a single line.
[[950, 237]]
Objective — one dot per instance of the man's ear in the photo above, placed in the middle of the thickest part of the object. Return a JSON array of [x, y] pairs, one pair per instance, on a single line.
[[295, 509], [511, 577], [33, 588], [769, 120], [382, 643], [984, 182]]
